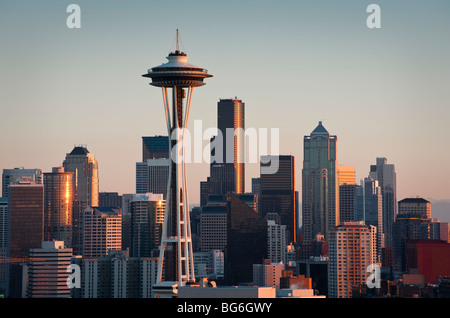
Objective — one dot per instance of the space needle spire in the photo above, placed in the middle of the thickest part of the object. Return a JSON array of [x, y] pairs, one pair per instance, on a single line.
[[176, 261]]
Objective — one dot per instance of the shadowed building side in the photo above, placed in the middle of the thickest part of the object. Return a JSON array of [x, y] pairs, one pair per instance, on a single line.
[[246, 241]]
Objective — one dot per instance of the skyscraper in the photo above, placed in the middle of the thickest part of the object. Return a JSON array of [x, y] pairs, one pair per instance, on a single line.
[[415, 207], [351, 250], [320, 191], [227, 166], [373, 211], [276, 242], [407, 227], [26, 217], [155, 147], [278, 193], [58, 206], [350, 203], [84, 167], [48, 274], [231, 123], [147, 218], [25, 228], [387, 179], [15, 175], [102, 230], [109, 199], [246, 241], [152, 176], [213, 228]]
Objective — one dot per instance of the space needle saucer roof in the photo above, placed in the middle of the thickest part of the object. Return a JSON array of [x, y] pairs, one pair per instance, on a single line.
[[177, 72]]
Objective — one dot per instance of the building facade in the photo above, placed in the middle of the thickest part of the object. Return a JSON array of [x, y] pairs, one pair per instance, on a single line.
[[386, 176], [11, 176], [102, 230], [48, 271], [246, 241], [415, 207], [276, 242], [352, 248], [278, 193], [320, 191], [152, 176], [146, 222], [58, 206], [227, 163], [85, 178]]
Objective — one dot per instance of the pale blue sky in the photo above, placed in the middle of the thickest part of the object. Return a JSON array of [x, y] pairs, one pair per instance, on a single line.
[[383, 92]]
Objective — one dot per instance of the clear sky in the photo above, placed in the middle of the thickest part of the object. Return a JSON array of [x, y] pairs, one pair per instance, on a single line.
[[384, 92]]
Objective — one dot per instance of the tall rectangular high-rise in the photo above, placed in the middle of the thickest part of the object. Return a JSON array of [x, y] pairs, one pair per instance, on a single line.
[[387, 178], [25, 229], [351, 250], [58, 206], [26, 218], [320, 190], [246, 241], [84, 167], [278, 192], [227, 167], [372, 199]]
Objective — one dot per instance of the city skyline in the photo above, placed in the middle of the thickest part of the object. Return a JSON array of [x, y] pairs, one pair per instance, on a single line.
[[382, 92]]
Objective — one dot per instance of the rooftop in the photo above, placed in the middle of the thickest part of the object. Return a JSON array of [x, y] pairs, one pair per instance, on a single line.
[[414, 200], [320, 129], [79, 150]]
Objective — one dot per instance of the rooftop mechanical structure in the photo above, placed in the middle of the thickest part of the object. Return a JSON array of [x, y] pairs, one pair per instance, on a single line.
[[177, 79]]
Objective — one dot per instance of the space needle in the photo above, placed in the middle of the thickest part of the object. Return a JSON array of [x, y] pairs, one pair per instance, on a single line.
[[176, 261]]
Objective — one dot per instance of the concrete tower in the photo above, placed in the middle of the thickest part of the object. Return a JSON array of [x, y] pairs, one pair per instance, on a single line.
[[176, 258]]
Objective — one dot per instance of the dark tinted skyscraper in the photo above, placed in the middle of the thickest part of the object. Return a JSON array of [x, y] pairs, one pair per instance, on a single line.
[[278, 193], [246, 241], [320, 203], [26, 228], [227, 163], [26, 218], [155, 147]]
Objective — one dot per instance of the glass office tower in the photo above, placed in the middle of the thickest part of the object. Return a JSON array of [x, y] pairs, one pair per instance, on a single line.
[[320, 190]]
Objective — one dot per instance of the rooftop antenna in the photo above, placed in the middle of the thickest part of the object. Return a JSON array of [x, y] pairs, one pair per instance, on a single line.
[[178, 47]]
